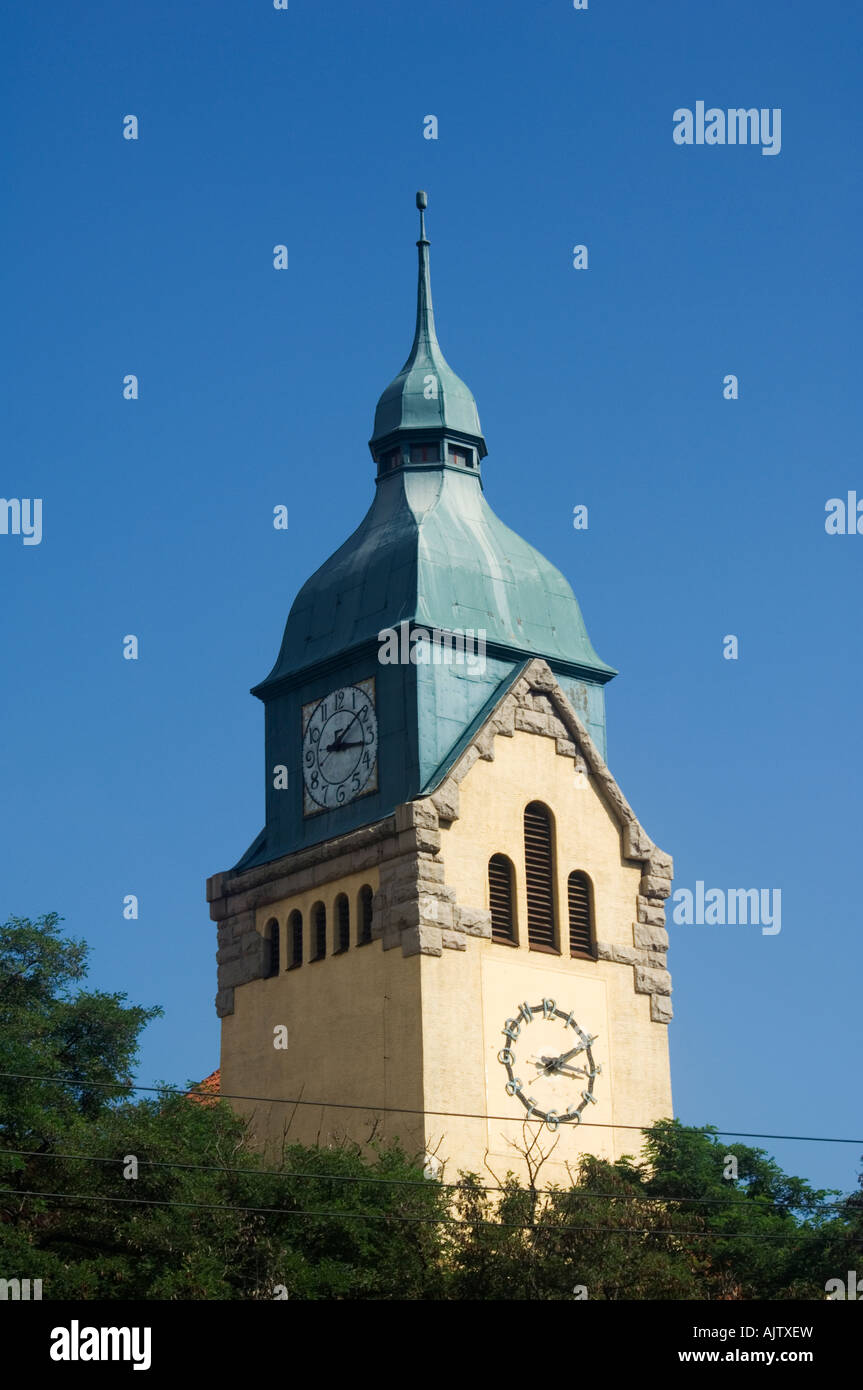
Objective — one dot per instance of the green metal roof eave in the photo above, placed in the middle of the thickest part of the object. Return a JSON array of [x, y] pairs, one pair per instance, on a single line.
[[271, 686]]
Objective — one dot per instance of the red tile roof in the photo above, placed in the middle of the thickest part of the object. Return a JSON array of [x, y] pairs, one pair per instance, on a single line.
[[211, 1085]]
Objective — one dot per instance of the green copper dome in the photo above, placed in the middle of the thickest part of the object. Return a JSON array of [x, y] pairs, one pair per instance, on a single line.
[[430, 550], [426, 394]]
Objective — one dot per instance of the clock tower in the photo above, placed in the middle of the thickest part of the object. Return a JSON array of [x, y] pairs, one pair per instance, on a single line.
[[451, 928]]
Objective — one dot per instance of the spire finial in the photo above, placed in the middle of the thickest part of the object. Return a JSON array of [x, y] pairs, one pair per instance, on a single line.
[[422, 204], [425, 314]]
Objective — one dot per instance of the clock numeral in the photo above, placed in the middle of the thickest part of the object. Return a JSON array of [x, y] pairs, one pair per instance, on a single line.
[[514, 1086], [530, 1104], [309, 759], [526, 1012], [356, 785], [313, 781], [573, 1113], [324, 715], [340, 698], [552, 1120], [363, 714], [340, 795], [548, 1008], [588, 1096], [512, 1028], [314, 735], [505, 1056]]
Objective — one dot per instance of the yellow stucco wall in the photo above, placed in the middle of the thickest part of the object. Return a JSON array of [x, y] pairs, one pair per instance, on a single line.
[[354, 1034], [376, 1028], [467, 996]]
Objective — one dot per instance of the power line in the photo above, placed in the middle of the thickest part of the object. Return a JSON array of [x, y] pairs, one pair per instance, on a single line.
[[741, 1202], [437, 1219], [399, 1109]]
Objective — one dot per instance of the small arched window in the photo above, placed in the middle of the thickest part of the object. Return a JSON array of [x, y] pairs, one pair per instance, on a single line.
[[539, 876], [501, 898], [343, 924], [581, 941], [364, 915], [319, 931], [295, 939], [271, 936]]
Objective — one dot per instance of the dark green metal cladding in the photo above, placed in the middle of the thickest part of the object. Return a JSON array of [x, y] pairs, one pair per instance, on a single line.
[[432, 551], [430, 554]]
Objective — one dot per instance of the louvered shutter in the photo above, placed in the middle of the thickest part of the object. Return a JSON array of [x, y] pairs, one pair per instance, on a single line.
[[580, 917], [343, 920], [500, 898], [539, 882]]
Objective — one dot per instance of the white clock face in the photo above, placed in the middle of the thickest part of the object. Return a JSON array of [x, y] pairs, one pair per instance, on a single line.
[[340, 747], [549, 1063]]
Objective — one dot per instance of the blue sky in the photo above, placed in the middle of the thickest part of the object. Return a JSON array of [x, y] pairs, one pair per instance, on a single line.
[[601, 387]]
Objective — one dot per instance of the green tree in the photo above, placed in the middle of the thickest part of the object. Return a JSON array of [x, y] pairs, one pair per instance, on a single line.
[[204, 1217]]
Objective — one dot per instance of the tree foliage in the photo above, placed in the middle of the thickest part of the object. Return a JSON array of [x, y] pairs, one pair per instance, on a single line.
[[207, 1217]]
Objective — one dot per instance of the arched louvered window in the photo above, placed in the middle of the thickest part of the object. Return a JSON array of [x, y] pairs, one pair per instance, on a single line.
[[295, 939], [364, 915], [319, 931], [343, 923], [539, 876], [271, 936], [501, 898], [580, 915]]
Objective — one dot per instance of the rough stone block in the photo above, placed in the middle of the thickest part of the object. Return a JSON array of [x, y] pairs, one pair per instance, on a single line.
[[452, 941], [532, 722], [419, 838], [503, 722], [650, 938], [419, 814], [626, 955], [662, 865], [650, 981], [476, 921], [422, 941], [651, 912], [224, 1002], [390, 935], [660, 1009], [236, 972], [445, 800], [654, 887]]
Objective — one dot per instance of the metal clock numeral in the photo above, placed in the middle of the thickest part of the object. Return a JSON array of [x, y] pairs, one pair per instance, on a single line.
[[340, 748]]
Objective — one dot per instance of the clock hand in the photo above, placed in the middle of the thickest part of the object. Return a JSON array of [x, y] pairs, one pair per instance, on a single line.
[[339, 742], [574, 1052], [546, 1065]]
